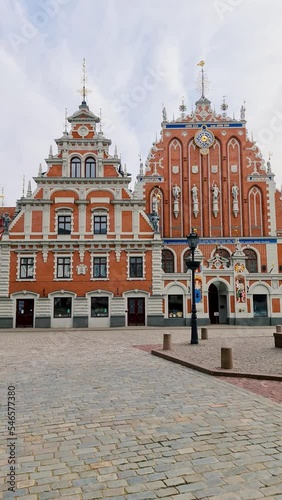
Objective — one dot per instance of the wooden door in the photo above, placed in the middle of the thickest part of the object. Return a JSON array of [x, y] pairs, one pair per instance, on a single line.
[[24, 313], [136, 311]]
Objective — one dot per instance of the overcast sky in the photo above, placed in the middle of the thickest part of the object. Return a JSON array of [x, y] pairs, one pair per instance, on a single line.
[[138, 55]]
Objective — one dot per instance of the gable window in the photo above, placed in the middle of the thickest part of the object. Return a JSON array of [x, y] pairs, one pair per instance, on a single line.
[[136, 267], [90, 168], [26, 268], [167, 261], [251, 261], [63, 267], [100, 224], [64, 224], [99, 267], [62, 307], [75, 167]]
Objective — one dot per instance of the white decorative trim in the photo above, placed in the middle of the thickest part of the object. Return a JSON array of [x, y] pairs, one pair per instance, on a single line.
[[92, 256], [133, 254], [56, 256], [26, 256]]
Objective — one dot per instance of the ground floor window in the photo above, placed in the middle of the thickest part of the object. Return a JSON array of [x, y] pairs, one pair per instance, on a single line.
[[175, 306], [99, 307], [62, 307], [260, 305]]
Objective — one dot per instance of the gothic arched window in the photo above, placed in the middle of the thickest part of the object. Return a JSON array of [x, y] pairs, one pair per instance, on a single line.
[[75, 167], [251, 261], [90, 167], [167, 261]]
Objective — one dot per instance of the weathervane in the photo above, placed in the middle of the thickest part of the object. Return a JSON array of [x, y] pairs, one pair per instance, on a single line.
[[182, 108], [203, 78], [84, 79]]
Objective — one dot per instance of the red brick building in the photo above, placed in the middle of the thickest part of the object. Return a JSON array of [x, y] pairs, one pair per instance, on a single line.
[[80, 251], [84, 251], [207, 174]]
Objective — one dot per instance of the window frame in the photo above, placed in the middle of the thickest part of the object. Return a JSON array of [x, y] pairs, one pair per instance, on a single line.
[[75, 164], [130, 264], [56, 316], [101, 224], [64, 264], [171, 260], [100, 264], [89, 161], [100, 315], [66, 232], [250, 261], [26, 266]]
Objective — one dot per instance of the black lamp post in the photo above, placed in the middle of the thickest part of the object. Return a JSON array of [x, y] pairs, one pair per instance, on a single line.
[[193, 241]]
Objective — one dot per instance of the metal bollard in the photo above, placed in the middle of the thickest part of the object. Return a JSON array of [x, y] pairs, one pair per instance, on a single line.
[[204, 333], [278, 328], [226, 358], [167, 342]]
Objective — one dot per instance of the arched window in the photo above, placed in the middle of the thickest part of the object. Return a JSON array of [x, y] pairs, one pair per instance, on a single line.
[[90, 168], [167, 261], [75, 167], [251, 261]]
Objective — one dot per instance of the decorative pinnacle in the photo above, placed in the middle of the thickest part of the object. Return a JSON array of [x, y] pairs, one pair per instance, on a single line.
[[23, 185], [29, 192], [182, 108], [2, 196], [66, 121], [84, 79], [40, 170], [116, 153], [50, 151], [100, 125]]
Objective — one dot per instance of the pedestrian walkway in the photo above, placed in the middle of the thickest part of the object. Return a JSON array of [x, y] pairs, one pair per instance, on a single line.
[[97, 418]]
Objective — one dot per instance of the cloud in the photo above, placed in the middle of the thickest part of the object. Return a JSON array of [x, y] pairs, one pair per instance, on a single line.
[[138, 56]]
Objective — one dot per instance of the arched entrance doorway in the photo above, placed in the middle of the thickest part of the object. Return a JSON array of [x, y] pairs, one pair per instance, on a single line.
[[218, 303]]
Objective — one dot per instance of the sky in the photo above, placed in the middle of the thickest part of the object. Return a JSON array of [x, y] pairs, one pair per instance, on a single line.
[[138, 56]]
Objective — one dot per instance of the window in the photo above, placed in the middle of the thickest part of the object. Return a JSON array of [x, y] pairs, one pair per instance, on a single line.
[[75, 167], [167, 261], [64, 224], [99, 267], [90, 167], [100, 224], [63, 267], [136, 267], [62, 307], [27, 268], [175, 306], [251, 261], [99, 307], [260, 305]]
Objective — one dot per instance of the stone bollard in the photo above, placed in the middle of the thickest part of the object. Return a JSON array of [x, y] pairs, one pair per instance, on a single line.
[[167, 342], [278, 328], [204, 333], [226, 358]]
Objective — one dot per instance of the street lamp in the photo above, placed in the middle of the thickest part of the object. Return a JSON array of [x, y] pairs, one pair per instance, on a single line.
[[193, 241]]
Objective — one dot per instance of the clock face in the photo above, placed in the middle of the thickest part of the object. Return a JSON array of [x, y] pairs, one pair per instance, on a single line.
[[204, 138]]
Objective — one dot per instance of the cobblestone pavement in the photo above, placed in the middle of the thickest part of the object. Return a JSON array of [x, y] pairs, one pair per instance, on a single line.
[[99, 419]]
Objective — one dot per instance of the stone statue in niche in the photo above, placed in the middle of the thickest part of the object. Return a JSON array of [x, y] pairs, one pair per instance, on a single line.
[[235, 192], [215, 198], [6, 221], [176, 192], [155, 203], [195, 200]]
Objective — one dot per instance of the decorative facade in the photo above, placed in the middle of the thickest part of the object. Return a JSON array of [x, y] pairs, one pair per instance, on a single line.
[[80, 250], [209, 175], [85, 251]]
